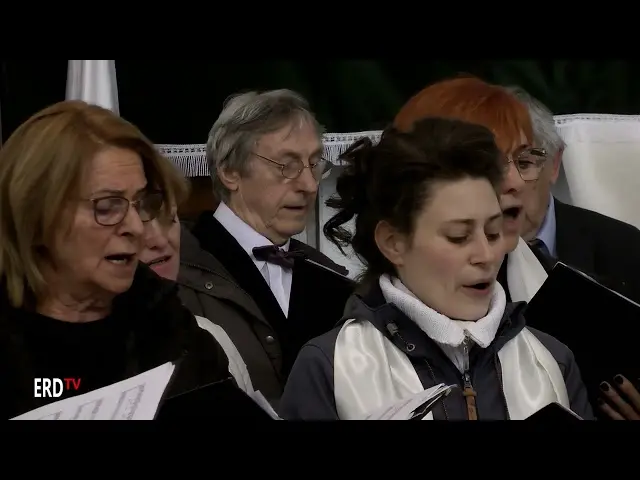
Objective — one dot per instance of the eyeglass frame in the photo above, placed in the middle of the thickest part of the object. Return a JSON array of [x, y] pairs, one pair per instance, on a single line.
[[539, 166], [135, 203], [282, 166]]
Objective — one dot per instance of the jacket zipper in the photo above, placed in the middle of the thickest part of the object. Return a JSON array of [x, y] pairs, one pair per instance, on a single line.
[[468, 390]]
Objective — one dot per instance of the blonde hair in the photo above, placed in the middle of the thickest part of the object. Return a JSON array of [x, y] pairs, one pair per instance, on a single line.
[[41, 166]]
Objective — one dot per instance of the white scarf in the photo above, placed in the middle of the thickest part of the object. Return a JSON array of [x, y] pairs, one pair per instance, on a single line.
[[370, 372], [448, 334], [525, 274]]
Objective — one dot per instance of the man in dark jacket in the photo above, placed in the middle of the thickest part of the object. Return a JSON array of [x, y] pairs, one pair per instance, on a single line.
[[599, 245], [208, 290], [265, 157]]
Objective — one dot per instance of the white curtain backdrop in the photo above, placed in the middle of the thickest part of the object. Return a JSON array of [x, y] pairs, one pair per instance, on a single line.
[[601, 170], [93, 81], [602, 164]]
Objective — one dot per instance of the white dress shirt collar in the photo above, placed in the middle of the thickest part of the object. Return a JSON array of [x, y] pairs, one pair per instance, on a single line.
[[244, 234]]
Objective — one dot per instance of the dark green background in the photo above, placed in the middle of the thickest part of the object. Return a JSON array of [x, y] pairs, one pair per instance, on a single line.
[[176, 101]]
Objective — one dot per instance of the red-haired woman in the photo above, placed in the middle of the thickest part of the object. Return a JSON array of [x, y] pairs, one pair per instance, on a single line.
[[476, 101]]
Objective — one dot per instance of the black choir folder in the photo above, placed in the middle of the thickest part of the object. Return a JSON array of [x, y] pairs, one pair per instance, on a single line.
[[600, 326], [334, 284], [217, 401], [554, 412]]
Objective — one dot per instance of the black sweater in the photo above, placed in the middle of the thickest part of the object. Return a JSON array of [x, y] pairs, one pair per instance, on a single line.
[[148, 327]]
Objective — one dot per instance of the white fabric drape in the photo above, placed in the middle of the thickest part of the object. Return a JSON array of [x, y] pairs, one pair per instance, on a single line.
[[602, 164], [93, 81], [192, 159]]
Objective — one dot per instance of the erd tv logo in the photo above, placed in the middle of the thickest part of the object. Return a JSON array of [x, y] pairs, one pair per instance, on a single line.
[[54, 387]]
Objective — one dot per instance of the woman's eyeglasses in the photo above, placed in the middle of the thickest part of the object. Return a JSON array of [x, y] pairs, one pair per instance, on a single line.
[[111, 210]]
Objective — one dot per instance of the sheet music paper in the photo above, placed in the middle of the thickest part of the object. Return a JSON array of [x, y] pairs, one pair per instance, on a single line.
[[405, 408], [136, 398]]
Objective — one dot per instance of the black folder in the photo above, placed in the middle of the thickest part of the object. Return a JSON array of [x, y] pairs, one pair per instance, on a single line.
[[327, 278], [332, 289], [599, 325], [554, 412], [220, 401]]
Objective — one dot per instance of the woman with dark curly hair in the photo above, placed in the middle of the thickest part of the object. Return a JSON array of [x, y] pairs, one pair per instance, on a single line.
[[429, 229]]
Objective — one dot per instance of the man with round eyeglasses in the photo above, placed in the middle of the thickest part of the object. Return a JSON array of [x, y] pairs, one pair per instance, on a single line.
[[265, 156], [537, 172], [604, 247]]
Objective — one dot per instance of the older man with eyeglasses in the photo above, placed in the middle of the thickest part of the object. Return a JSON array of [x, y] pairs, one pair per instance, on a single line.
[[606, 248], [265, 155]]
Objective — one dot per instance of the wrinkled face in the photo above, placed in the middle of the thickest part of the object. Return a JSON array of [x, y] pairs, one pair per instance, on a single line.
[[536, 197], [162, 246], [274, 206], [452, 259], [511, 196], [95, 260]]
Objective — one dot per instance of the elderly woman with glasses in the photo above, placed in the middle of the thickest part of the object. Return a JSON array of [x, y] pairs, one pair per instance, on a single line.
[[492, 106], [75, 191]]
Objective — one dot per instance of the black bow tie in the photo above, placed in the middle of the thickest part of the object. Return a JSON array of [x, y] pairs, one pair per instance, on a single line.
[[277, 256]]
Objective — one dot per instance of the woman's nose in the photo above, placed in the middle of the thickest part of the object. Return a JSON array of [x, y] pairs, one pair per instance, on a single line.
[[153, 235]]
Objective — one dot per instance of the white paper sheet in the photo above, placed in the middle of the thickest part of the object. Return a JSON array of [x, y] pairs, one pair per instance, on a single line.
[[404, 409], [136, 398]]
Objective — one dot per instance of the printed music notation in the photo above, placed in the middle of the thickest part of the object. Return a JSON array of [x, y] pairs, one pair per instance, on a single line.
[[136, 398]]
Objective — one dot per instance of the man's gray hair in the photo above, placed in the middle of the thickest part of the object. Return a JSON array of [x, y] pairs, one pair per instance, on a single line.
[[244, 119], [544, 126]]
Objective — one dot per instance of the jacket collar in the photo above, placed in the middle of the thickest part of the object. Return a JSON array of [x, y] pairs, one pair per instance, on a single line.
[[371, 305]]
